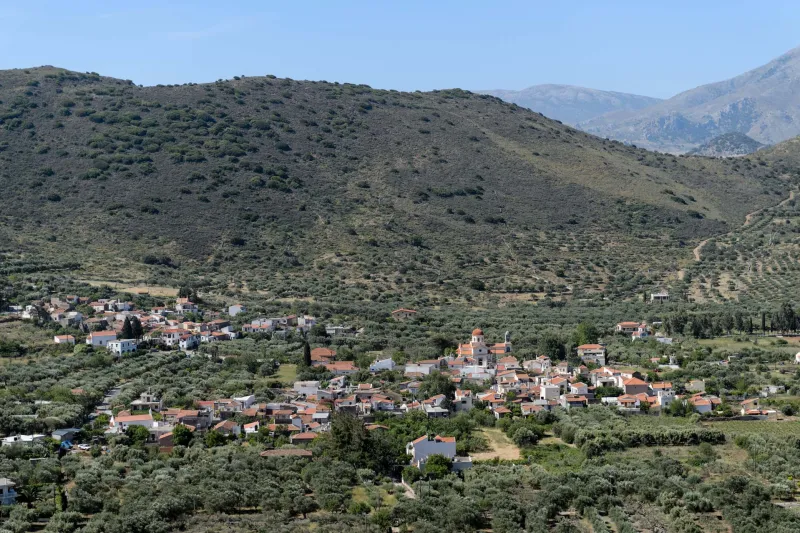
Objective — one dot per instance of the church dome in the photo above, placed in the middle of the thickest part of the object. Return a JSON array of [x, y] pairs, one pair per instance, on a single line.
[[476, 332]]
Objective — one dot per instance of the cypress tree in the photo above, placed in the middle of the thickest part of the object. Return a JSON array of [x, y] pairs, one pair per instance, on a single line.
[[136, 327], [127, 329]]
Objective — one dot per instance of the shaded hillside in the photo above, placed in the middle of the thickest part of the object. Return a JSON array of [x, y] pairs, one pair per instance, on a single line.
[[312, 188], [571, 104], [763, 103], [727, 145]]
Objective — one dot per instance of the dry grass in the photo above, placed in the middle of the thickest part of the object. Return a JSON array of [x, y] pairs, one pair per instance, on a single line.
[[287, 373], [502, 446], [137, 289]]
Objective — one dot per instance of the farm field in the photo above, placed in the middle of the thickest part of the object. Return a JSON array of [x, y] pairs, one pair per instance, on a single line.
[[152, 290], [287, 373], [731, 428], [736, 344]]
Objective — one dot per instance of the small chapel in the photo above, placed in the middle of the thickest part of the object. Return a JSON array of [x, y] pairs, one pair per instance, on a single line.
[[480, 352]]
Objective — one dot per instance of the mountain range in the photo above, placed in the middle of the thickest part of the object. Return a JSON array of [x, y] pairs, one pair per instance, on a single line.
[[571, 104], [300, 189], [763, 103]]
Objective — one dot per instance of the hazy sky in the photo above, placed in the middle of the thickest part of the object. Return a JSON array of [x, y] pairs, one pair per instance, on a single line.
[[631, 46]]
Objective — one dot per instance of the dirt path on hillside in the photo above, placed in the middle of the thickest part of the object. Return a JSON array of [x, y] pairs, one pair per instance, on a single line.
[[748, 219]]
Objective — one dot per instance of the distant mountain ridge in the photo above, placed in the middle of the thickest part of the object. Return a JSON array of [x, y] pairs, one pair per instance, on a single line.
[[727, 145], [572, 104], [763, 103]]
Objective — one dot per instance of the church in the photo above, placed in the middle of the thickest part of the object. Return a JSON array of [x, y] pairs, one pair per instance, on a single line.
[[480, 352]]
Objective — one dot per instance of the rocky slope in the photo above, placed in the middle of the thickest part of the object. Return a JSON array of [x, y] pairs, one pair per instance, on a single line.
[[728, 145], [763, 104]]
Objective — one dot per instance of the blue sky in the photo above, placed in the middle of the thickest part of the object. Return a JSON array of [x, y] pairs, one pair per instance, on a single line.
[[656, 49]]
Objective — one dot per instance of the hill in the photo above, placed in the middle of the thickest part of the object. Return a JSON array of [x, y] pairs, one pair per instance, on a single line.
[[729, 144], [304, 189], [757, 261], [571, 104], [763, 103]]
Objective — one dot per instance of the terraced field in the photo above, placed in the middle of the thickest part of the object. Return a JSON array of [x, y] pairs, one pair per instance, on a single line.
[[758, 262]]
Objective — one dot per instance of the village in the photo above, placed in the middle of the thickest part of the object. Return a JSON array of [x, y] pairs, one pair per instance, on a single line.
[[482, 374]]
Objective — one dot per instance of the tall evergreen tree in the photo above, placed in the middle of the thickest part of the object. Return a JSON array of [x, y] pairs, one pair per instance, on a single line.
[[136, 327], [127, 329], [306, 353]]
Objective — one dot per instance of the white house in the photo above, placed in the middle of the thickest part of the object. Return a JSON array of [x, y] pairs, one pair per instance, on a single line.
[[578, 388], [659, 297], [592, 353], [627, 327], [422, 367], [184, 305], [119, 423], [64, 339], [549, 392], [246, 401], [172, 336], [306, 322], [101, 338], [540, 364], [189, 342], [382, 364], [426, 445], [252, 427], [463, 400], [235, 309], [122, 346], [306, 388]]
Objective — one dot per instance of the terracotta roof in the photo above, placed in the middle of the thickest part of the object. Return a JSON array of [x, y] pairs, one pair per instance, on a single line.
[[633, 382], [133, 418], [323, 352], [437, 438], [305, 436], [287, 427], [590, 347], [103, 333], [341, 365], [477, 331]]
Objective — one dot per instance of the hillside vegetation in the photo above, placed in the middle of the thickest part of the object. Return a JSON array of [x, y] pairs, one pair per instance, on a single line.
[[315, 189]]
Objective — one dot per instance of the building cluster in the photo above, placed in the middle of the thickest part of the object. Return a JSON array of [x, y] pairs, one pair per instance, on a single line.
[[174, 326], [300, 420]]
